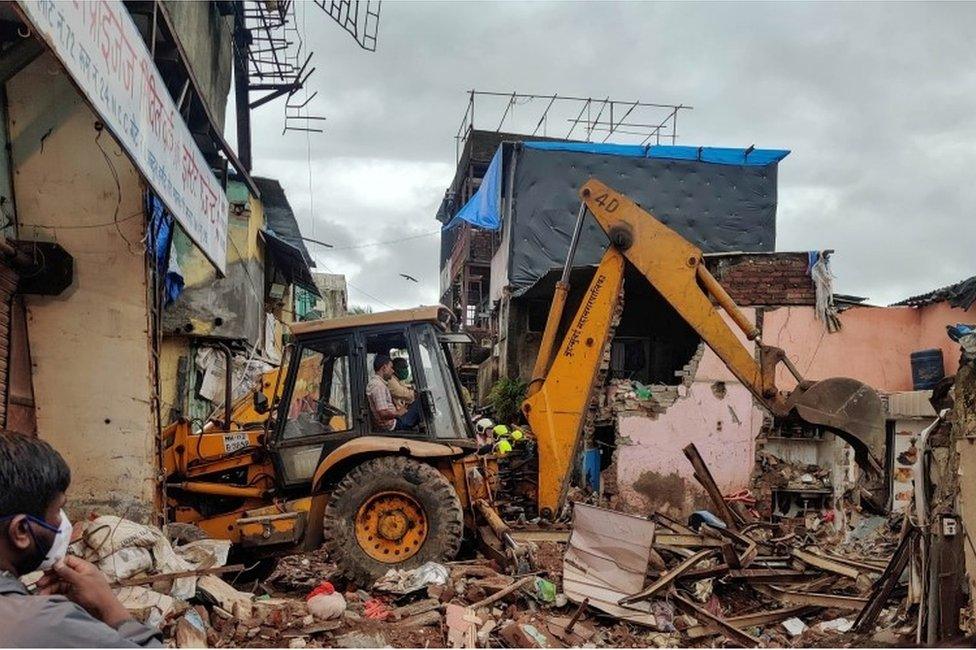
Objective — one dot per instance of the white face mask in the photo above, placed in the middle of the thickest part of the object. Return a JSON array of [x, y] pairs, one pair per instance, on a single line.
[[59, 548]]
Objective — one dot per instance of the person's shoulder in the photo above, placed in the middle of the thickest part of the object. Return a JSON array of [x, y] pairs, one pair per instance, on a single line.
[[38, 620]]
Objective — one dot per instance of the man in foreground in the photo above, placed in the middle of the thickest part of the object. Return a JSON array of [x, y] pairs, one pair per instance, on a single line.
[[74, 606]]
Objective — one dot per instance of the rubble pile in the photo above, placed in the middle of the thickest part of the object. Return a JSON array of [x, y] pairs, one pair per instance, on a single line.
[[611, 579], [774, 472], [699, 584], [631, 396]]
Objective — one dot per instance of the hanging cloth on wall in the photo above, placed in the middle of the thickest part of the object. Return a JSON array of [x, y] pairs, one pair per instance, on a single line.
[[818, 266]]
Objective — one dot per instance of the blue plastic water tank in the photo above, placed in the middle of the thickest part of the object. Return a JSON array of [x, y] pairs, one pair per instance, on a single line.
[[927, 368]]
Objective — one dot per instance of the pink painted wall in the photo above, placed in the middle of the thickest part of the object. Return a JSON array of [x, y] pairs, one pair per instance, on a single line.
[[932, 333], [723, 429], [873, 346]]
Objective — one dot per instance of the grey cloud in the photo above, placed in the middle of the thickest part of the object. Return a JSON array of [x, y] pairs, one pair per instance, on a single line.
[[876, 101]]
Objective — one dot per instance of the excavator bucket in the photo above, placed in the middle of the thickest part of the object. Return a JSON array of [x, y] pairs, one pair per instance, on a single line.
[[854, 411]]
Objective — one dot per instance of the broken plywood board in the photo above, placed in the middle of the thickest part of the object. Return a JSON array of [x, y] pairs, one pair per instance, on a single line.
[[607, 560]]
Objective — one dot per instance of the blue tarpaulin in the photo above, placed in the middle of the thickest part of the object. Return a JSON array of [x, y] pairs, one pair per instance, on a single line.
[[161, 226], [716, 155], [483, 210]]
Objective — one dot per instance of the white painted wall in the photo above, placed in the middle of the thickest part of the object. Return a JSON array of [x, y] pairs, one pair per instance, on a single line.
[[90, 345]]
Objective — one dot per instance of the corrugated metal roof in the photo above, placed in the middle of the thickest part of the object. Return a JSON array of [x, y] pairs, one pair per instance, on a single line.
[[910, 404], [961, 294]]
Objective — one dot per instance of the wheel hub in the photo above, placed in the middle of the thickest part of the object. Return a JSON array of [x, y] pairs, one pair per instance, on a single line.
[[391, 526]]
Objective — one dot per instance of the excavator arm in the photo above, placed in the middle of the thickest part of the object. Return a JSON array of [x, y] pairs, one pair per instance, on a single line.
[[562, 384]]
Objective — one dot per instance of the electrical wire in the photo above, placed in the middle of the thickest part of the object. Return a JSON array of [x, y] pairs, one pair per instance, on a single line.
[[118, 189], [388, 241], [308, 134], [362, 291], [84, 226], [247, 272]]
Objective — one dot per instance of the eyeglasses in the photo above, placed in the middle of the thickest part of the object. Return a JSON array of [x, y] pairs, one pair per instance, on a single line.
[[40, 522]]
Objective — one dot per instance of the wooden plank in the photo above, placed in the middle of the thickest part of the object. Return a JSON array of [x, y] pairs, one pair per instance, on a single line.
[[886, 583], [774, 576], [748, 556], [704, 476], [819, 584], [146, 580], [682, 540], [730, 631], [794, 597], [751, 620], [825, 563], [671, 524], [706, 572], [558, 536], [864, 566], [667, 578]]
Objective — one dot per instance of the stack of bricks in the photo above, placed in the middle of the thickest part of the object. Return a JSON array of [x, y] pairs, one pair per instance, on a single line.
[[765, 279], [620, 396]]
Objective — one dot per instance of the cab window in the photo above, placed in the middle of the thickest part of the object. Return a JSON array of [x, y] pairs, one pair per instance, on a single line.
[[321, 396], [447, 413]]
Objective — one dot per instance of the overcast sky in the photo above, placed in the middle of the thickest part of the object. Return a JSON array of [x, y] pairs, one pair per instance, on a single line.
[[877, 103]]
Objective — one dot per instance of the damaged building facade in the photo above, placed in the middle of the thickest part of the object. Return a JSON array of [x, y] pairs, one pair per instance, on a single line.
[[243, 314], [103, 165], [508, 219], [137, 247]]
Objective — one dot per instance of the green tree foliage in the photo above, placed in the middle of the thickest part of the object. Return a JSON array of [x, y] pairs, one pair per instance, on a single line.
[[506, 398]]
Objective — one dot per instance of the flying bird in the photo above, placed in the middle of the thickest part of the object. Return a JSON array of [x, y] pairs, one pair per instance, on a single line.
[[409, 277]]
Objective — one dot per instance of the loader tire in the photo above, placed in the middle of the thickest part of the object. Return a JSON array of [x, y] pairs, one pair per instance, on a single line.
[[391, 513]]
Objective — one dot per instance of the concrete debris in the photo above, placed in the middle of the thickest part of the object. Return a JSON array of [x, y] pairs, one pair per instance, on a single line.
[[405, 582], [835, 625], [794, 626], [191, 632], [713, 582]]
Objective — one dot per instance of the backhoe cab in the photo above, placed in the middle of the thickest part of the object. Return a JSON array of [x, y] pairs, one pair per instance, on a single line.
[[302, 462]]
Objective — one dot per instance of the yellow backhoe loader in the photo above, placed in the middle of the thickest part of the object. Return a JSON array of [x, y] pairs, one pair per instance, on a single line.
[[300, 463]]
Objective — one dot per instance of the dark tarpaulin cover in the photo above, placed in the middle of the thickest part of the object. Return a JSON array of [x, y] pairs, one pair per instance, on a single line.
[[718, 207], [290, 260]]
